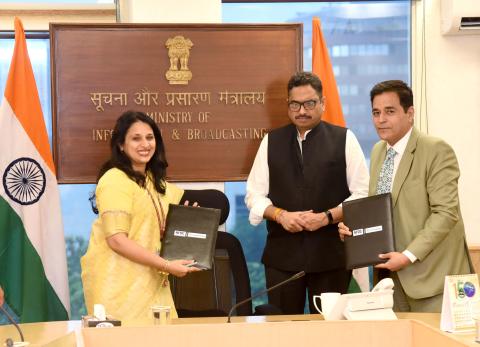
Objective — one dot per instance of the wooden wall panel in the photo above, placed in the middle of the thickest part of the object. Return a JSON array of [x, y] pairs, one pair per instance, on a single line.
[[475, 255], [206, 140]]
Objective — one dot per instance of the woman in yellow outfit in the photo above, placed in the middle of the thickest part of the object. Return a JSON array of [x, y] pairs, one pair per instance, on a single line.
[[122, 269]]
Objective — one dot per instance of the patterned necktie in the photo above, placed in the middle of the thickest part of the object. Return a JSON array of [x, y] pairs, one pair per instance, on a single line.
[[384, 183]]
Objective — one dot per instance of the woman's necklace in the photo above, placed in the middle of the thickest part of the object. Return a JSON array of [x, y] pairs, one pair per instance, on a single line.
[[161, 223], [160, 214]]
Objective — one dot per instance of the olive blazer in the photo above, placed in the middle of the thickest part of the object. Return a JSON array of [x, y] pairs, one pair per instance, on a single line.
[[426, 213]]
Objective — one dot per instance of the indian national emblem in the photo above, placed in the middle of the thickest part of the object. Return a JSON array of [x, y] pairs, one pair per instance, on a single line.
[[178, 52]]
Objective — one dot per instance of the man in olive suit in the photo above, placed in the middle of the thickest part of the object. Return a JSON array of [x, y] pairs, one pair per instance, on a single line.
[[422, 174]]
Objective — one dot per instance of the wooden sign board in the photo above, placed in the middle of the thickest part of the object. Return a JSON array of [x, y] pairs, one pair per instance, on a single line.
[[213, 89]]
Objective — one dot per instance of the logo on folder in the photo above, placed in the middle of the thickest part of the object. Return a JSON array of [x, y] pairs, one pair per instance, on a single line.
[[178, 53], [181, 233]]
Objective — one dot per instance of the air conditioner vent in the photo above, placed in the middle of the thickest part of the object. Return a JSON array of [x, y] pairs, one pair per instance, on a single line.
[[470, 23]]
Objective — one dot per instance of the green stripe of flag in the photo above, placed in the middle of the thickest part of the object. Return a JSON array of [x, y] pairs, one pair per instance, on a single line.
[[27, 290]]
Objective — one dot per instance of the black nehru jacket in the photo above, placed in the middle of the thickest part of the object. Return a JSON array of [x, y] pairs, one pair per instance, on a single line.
[[318, 182]]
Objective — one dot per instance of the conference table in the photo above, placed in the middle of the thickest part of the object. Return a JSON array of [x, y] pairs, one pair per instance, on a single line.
[[411, 329]]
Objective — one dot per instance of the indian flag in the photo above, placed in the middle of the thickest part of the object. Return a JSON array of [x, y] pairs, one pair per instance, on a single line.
[[33, 266], [322, 67]]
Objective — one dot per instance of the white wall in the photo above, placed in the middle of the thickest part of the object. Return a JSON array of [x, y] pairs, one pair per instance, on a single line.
[[171, 11], [37, 16], [452, 84]]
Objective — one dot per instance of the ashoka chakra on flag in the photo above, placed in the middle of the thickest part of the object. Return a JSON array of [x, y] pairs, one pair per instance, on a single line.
[[24, 181]]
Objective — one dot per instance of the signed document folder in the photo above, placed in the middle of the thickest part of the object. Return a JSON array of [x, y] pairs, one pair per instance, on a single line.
[[370, 220], [191, 233]]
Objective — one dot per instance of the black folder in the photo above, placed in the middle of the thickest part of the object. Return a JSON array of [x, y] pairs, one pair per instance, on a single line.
[[191, 233], [370, 220]]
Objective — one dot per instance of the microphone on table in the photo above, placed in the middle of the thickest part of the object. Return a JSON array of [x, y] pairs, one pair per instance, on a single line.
[[9, 341], [238, 304]]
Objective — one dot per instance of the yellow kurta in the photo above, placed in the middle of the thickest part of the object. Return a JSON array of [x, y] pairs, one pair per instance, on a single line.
[[126, 289]]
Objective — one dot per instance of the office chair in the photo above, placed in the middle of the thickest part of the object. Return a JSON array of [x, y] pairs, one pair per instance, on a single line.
[[212, 293]]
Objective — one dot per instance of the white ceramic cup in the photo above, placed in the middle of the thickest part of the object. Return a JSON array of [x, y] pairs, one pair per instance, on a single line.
[[161, 315], [328, 303]]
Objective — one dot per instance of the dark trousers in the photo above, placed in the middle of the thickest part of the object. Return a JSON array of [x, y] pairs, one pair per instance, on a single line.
[[290, 298]]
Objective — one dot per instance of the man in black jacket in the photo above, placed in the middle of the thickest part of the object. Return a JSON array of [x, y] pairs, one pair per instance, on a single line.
[[301, 175]]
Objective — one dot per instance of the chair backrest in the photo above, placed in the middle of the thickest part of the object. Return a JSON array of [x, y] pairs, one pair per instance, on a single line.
[[211, 198], [238, 266], [213, 292]]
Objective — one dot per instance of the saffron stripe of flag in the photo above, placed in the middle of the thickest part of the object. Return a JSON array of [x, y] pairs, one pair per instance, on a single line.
[[322, 67]]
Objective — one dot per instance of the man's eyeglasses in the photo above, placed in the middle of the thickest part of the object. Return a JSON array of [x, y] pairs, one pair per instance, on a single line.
[[307, 105]]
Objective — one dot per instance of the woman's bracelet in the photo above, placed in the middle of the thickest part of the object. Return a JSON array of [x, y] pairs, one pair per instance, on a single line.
[[165, 266], [164, 270]]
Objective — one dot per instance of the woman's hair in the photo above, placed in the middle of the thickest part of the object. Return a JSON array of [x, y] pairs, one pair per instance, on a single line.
[[157, 166]]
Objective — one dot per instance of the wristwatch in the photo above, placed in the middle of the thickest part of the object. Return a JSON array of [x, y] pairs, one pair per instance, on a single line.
[[329, 216]]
